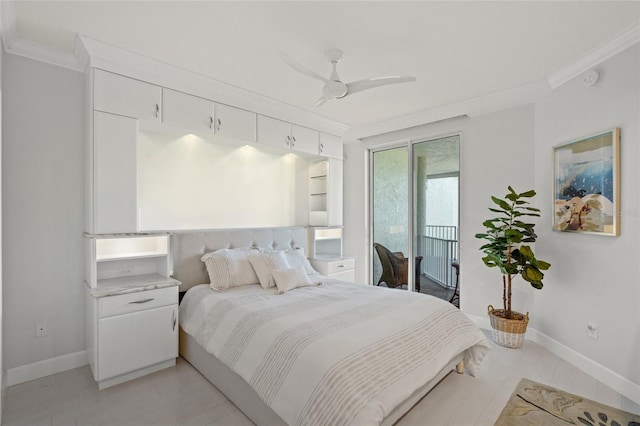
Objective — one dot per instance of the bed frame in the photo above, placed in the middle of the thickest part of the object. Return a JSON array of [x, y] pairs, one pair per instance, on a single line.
[[187, 249]]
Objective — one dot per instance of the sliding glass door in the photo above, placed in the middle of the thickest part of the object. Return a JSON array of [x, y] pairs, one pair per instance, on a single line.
[[436, 172], [414, 207], [390, 212]]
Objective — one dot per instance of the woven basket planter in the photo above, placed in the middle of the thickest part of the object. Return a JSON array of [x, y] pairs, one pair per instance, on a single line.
[[508, 332]]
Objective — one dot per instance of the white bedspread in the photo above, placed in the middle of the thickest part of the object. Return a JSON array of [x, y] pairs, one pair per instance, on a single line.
[[339, 354]]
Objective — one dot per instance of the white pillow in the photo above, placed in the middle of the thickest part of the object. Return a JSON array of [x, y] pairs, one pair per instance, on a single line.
[[288, 279], [230, 268], [265, 263], [295, 258]]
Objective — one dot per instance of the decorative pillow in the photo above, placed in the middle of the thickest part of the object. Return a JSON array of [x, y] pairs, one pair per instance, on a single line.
[[230, 268], [288, 279], [295, 258], [265, 263]]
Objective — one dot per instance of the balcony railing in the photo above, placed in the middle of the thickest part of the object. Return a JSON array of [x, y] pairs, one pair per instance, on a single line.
[[439, 249]]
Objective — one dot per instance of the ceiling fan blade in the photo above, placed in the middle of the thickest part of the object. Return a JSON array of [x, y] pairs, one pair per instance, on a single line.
[[370, 83], [301, 68], [319, 102]]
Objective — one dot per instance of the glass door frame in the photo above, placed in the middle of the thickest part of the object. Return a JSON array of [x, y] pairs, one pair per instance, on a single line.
[[411, 231]]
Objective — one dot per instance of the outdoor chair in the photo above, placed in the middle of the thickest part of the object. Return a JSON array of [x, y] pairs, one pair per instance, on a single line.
[[395, 268]]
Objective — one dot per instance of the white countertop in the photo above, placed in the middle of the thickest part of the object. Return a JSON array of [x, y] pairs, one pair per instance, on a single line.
[[131, 284]]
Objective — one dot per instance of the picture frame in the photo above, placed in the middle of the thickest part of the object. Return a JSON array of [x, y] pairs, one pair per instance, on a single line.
[[586, 184]]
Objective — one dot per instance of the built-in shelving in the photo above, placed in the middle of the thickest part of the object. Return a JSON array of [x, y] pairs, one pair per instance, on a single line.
[[318, 173], [325, 242], [125, 259]]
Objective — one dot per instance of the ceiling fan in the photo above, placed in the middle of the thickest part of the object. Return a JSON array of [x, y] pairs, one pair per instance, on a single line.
[[334, 88]]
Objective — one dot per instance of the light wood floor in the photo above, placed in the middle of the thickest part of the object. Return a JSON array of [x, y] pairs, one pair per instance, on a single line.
[[181, 396]]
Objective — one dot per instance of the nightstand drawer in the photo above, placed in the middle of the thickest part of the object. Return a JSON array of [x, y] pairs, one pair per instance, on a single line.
[[138, 301], [340, 265]]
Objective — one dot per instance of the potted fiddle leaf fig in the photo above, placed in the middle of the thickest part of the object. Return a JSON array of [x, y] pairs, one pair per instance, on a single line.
[[507, 236]]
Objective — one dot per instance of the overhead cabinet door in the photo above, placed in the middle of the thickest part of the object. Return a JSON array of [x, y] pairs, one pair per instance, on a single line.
[[274, 132], [286, 135], [126, 96], [114, 172], [304, 139], [187, 111], [331, 146], [235, 123]]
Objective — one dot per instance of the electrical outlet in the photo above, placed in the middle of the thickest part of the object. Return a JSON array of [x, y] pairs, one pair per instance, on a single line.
[[592, 330], [41, 329], [125, 272]]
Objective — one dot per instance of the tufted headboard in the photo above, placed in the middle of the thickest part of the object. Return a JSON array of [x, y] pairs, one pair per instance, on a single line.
[[189, 246]]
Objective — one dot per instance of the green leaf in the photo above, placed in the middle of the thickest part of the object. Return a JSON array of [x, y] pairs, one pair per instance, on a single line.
[[528, 194], [513, 235], [531, 274], [527, 252], [542, 265], [503, 204]]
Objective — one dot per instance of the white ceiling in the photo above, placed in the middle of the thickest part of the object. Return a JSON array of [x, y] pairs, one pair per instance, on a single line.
[[457, 50]]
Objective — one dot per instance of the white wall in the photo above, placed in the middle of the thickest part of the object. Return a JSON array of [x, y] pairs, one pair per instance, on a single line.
[[594, 278], [43, 210], [486, 142], [193, 182]]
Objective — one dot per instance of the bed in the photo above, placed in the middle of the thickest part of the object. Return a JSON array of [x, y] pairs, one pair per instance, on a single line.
[[328, 353]]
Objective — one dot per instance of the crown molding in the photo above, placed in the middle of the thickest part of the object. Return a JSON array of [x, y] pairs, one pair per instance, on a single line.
[[40, 52], [507, 98], [484, 104], [30, 49], [118, 60], [625, 38]]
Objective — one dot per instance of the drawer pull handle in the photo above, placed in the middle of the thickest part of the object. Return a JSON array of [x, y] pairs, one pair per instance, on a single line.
[[340, 266], [139, 302], [174, 321]]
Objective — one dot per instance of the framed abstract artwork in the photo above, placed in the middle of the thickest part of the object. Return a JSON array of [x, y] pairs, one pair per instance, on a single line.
[[586, 184]]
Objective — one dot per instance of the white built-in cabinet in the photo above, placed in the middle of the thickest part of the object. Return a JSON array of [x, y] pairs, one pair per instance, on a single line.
[[235, 123], [126, 96], [203, 115], [131, 306], [330, 146], [120, 104], [115, 193], [297, 138]]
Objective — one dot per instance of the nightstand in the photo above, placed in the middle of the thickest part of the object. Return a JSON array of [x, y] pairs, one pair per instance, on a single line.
[[132, 327], [340, 268]]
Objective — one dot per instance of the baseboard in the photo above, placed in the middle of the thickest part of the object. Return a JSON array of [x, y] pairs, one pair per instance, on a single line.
[[46, 367], [607, 376]]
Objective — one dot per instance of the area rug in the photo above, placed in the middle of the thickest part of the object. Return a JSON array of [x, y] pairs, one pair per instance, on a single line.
[[537, 404]]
